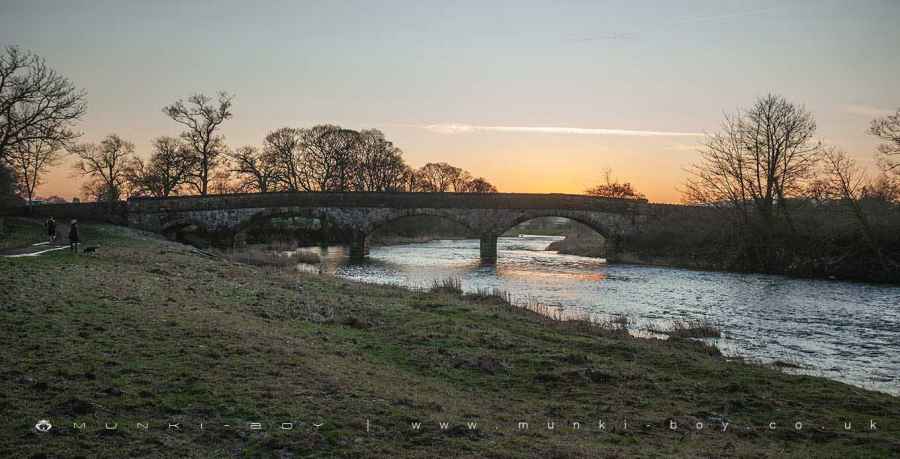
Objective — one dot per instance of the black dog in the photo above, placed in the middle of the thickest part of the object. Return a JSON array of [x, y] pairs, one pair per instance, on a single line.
[[92, 250]]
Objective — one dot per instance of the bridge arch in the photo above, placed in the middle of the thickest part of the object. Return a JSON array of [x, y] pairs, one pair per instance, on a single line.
[[576, 235], [176, 230], [171, 226], [611, 226], [598, 226], [266, 214], [304, 225], [379, 219]]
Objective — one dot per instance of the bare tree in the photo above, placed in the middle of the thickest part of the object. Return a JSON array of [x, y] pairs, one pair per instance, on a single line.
[[612, 188], [442, 177], [888, 129], [284, 147], [760, 159], [36, 103], [165, 172], [202, 117], [257, 170], [411, 181], [106, 164], [819, 192], [720, 177], [480, 185], [438, 177], [222, 182], [848, 185], [330, 157], [779, 139], [381, 166], [461, 182], [31, 159], [883, 188], [94, 190]]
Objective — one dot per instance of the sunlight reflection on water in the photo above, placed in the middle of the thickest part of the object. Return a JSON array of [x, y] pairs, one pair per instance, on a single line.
[[841, 330]]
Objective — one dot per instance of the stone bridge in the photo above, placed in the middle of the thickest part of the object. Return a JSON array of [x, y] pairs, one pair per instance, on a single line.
[[357, 215]]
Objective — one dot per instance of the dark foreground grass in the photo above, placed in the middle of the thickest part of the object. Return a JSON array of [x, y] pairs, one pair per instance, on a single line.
[[149, 331]]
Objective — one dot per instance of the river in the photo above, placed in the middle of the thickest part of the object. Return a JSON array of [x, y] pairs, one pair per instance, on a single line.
[[845, 331]]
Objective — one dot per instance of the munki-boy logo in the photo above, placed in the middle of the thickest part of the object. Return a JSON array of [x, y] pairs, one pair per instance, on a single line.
[[43, 426]]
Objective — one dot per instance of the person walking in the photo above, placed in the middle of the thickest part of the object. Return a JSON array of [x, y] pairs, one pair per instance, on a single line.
[[73, 236], [51, 229]]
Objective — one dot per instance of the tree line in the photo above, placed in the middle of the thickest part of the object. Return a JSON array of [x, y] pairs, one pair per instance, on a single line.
[[320, 158], [766, 196], [39, 109], [772, 198]]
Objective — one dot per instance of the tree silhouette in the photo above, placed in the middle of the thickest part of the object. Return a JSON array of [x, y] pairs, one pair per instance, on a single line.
[[36, 103], [202, 117]]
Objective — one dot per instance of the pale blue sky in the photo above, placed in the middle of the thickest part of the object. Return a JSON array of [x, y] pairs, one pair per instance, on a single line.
[[398, 66]]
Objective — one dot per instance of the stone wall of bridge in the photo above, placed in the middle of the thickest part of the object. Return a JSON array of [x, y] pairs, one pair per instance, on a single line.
[[357, 215], [368, 219]]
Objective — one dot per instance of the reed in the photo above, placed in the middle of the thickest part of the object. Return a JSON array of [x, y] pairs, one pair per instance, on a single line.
[[690, 328], [450, 285]]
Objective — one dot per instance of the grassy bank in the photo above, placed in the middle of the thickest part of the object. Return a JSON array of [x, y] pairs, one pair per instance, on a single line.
[[152, 331], [20, 232]]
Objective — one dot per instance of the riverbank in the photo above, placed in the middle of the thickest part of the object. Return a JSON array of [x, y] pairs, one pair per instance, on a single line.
[[594, 248], [801, 269], [582, 247], [153, 331]]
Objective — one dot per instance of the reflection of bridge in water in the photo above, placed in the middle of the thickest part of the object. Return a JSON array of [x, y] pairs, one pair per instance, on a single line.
[[357, 215]]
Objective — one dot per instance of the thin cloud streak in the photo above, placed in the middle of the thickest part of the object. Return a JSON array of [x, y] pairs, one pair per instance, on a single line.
[[454, 128]]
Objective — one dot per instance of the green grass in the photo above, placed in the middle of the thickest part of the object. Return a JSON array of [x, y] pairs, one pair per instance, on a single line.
[[149, 330], [20, 232]]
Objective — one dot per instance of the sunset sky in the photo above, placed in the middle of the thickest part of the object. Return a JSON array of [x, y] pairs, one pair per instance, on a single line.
[[534, 96]]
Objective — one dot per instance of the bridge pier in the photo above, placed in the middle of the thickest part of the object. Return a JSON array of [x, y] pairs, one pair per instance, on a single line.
[[612, 246], [488, 249], [359, 246]]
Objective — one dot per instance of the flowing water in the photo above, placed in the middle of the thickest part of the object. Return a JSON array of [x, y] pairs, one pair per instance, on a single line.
[[841, 330]]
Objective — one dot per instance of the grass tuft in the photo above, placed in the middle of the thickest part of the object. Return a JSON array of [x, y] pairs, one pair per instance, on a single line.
[[450, 285], [690, 328], [491, 295]]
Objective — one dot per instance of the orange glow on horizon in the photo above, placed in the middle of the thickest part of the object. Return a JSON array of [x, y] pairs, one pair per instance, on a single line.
[[572, 179]]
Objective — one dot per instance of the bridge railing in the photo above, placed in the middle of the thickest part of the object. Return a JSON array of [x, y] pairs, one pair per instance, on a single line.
[[387, 200]]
